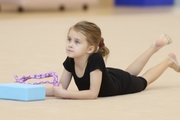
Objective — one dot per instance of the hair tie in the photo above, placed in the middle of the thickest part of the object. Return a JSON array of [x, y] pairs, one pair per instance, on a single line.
[[101, 44]]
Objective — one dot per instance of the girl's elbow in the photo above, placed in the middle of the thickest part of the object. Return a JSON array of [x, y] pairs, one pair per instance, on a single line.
[[94, 96]]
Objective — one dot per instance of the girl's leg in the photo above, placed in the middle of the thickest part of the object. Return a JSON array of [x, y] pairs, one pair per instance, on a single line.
[[152, 74], [136, 67]]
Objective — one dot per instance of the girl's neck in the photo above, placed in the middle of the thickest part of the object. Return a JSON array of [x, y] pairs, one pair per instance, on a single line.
[[81, 62]]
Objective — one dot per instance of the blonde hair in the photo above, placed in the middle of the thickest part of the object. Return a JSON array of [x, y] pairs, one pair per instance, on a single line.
[[93, 35]]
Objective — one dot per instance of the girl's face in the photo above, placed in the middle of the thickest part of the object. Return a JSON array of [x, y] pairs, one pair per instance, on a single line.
[[77, 45]]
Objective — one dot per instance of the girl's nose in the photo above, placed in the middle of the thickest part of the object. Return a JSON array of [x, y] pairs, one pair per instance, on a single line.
[[70, 44]]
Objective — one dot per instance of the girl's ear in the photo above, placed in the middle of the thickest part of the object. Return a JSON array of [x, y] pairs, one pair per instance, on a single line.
[[91, 49]]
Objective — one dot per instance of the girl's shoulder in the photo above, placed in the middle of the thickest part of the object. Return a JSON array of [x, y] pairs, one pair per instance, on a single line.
[[96, 61], [95, 56]]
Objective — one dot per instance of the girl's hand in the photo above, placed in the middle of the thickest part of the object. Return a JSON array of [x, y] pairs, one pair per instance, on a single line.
[[59, 91]]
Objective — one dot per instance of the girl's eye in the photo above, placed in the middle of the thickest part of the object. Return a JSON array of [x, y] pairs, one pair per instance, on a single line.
[[77, 42], [69, 40]]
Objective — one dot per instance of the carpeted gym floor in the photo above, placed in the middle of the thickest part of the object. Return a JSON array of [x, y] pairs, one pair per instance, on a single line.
[[34, 42]]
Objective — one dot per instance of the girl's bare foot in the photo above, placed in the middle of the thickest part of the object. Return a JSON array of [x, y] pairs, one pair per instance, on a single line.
[[175, 64], [161, 41]]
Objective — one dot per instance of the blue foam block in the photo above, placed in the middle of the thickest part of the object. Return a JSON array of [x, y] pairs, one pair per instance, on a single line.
[[22, 92]]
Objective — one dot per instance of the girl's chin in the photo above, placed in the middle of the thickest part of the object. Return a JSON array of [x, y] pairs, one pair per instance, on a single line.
[[70, 56]]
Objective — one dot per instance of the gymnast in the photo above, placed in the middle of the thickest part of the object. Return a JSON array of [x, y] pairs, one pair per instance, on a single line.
[[86, 51]]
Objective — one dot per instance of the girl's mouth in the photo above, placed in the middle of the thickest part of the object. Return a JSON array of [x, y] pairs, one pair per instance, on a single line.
[[69, 51]]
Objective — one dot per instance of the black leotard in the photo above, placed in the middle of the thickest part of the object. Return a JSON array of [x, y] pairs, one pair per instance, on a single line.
[[114, 81]]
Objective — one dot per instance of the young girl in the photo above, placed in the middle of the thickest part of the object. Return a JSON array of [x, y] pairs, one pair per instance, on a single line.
[[85, 51]]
